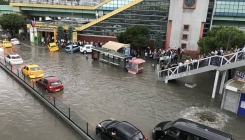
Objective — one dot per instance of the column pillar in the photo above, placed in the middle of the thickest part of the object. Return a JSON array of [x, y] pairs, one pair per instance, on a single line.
[[222, 82], [215, 84]]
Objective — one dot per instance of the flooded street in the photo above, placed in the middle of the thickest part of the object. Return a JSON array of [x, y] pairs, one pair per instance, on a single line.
[[97, 91]]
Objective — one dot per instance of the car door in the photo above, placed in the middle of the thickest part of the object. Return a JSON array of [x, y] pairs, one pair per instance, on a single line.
[[45, 83], [107, 135], [88, 49]]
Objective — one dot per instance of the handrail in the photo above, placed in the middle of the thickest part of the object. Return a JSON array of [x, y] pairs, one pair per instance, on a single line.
[[222, 60], [59, 4]]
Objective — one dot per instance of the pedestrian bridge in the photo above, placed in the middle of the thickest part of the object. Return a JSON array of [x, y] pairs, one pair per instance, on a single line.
[[218, 63]]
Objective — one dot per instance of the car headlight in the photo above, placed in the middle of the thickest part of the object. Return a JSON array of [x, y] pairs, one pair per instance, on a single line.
[[98, 125], [153, 131]]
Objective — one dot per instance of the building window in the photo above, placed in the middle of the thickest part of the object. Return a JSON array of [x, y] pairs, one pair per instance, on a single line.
[[183, 45], [186, 27], [185, 37]]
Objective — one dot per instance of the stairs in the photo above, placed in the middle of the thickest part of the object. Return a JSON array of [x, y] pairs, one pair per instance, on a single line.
[[134, 2], [211, 63]]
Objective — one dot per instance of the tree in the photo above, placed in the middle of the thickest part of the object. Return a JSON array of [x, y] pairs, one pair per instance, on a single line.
[[3, 2], [60, 33], [69, 32], [158, 40], [12, 22], [137, 36], [217, 37]]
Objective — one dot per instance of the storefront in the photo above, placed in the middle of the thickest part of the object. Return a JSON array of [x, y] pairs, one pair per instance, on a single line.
[[234, 95]]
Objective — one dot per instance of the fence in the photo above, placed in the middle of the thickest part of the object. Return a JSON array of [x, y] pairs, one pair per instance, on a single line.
[[61, 109], [220, 62], [60, 2]]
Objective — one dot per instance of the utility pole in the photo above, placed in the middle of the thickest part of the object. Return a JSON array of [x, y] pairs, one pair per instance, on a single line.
[[72, 12]]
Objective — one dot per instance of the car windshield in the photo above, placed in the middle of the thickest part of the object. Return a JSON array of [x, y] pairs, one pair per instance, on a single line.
[[53, 46], [168, 125], [34, 69], [68, 48], [55, 83], [112, 124], [138, 136], [6, 42], [15, 57], [14, 40]]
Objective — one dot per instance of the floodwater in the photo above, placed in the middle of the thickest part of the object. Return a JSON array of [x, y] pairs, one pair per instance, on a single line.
[[97, 91]]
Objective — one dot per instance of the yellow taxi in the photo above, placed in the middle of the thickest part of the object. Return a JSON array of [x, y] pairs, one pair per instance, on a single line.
[[6, 44], [32, 71], [53, 47]]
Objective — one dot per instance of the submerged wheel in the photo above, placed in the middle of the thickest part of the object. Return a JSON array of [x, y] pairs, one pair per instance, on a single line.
[[84, 51]]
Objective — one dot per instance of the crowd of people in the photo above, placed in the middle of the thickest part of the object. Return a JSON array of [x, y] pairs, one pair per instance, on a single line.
[[171, 59]]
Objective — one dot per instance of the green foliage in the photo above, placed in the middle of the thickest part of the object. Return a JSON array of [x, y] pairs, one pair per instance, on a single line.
[[137, 36], [69, 32], [12, 22], [60, 33], [3, 2], [218, 37], [158, 40]]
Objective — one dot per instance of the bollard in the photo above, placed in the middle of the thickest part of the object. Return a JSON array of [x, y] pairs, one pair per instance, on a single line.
[[86, 56], [33, 85], [69, 112], [18, 72]]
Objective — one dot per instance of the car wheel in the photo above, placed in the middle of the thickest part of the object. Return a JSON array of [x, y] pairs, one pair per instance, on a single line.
[[84, 51]]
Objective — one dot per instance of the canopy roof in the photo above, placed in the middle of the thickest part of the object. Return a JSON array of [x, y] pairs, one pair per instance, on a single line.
[[137, 61], [115, 45]]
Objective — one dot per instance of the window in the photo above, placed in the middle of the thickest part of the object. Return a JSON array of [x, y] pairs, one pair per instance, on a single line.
[[183, 45], [186, 27], [185, 37]]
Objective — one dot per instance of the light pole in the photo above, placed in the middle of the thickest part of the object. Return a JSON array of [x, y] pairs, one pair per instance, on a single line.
[[228, 42], [72, 12]]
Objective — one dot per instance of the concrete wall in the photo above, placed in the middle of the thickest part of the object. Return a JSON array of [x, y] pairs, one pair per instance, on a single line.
[[195, 18]]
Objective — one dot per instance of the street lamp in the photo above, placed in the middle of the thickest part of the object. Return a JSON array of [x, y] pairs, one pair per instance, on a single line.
[[72, 12], [228, 40]]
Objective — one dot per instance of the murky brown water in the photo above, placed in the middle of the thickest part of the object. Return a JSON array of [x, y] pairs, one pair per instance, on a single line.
[[97, 91]]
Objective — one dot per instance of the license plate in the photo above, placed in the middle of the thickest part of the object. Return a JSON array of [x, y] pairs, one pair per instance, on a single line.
[[57, 90]]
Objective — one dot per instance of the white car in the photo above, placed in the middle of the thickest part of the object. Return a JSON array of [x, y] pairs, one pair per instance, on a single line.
[[15, 41], [86, 48], [1, 50], [13, 59]]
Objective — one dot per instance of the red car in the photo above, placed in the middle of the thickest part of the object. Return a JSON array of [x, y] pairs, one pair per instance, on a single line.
[[50, 84]]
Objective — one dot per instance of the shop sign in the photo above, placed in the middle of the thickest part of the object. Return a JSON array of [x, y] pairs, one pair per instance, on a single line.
[[240, 75]]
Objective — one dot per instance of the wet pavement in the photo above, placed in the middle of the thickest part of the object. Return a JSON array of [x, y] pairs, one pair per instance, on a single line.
[[98, 91]]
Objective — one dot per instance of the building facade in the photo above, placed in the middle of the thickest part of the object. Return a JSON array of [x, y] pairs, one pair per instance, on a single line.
[[188, 21], [229, 13]]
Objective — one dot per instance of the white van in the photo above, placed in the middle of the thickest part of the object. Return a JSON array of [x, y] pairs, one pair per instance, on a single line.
[[86, 48]]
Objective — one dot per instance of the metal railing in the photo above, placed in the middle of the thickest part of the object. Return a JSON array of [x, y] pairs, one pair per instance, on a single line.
[[61, 2], [210, 63], [69, 115]]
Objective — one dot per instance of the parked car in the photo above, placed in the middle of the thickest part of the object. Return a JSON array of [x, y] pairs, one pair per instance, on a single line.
[[1, 50], [53, 47], [183, 129], [86, 48], [32, 71], [118, 130], [6, 44], [15, 41], [72, 48], [50, 84], [13, 59]]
